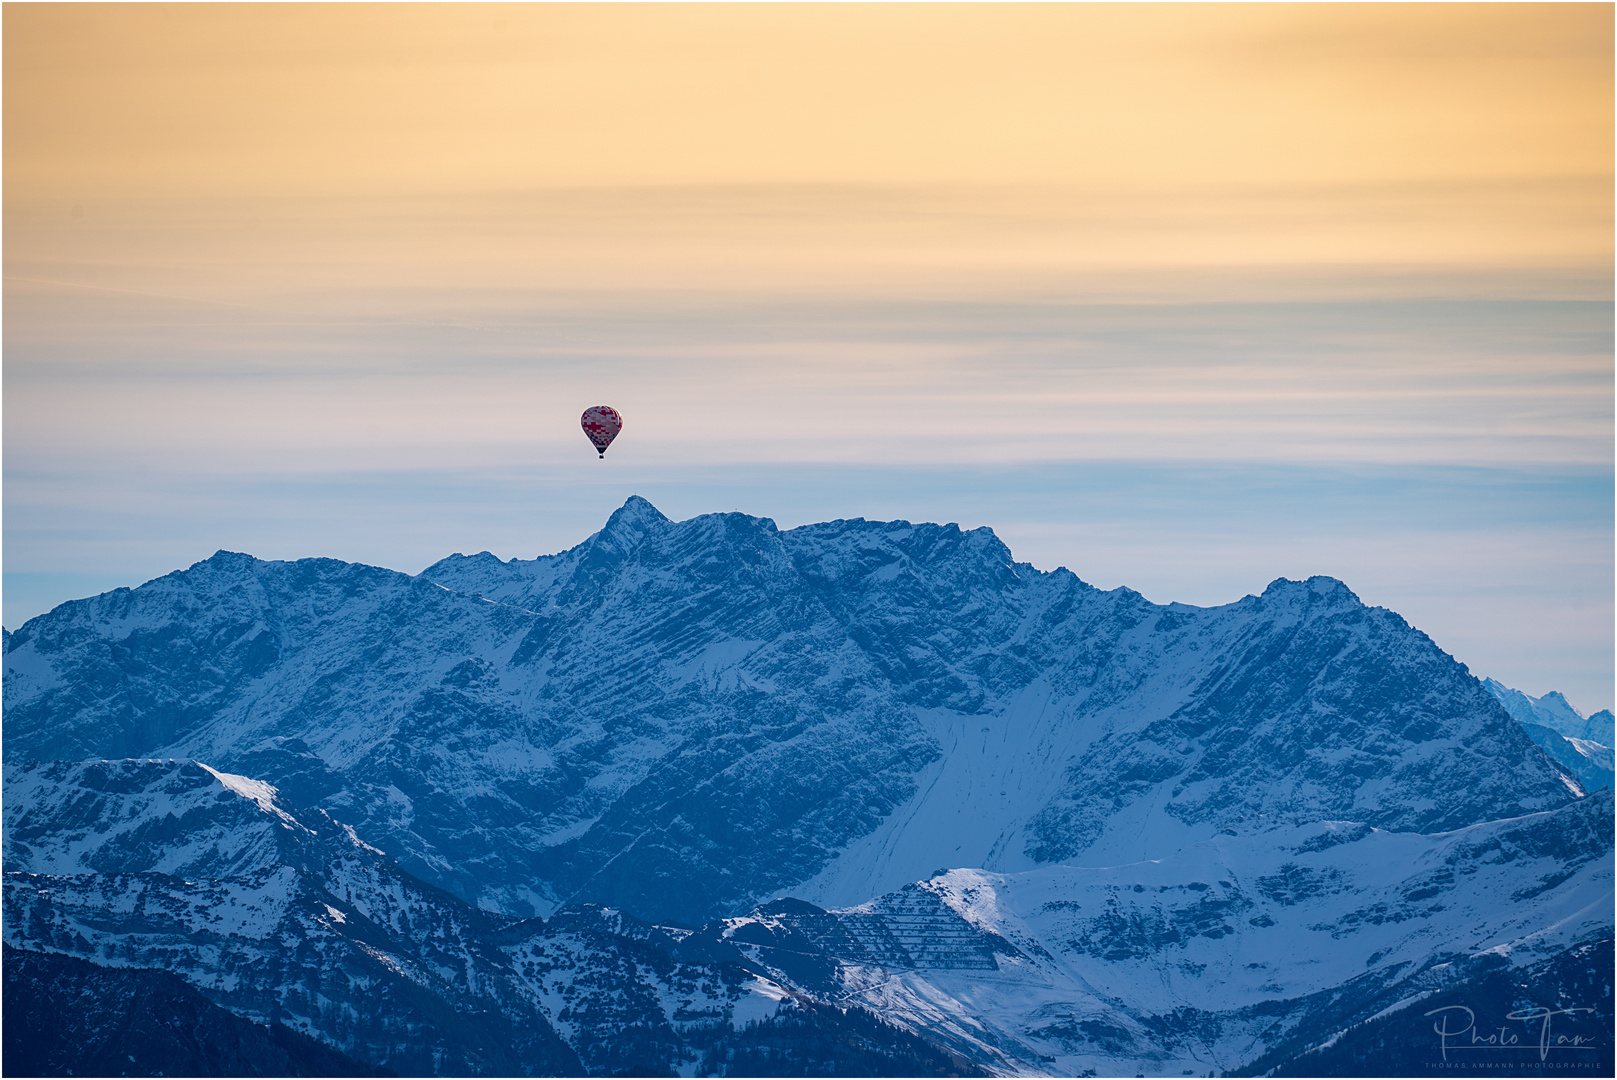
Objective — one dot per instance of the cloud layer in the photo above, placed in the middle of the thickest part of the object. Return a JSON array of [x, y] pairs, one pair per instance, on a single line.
[[338, 279]]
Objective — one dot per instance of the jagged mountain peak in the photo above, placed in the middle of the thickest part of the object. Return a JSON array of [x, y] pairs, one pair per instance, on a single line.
[[1553, 711], [629, 525], [636, 510], [1314, 598], [920, 542], [1319, 588], [482, 558], [641, 738], [225, 558]]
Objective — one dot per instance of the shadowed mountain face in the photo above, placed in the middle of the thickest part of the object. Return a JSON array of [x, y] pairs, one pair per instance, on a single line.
[[684, 718], [67, 1017]]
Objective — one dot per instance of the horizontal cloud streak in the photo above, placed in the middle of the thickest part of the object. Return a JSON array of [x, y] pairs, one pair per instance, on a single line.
[[460, 254], [1462, 382]]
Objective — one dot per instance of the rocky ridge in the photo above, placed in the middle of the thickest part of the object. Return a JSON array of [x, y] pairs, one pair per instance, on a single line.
[[685, 718]]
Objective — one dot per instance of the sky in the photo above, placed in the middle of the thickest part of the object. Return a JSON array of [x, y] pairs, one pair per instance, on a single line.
[[1183, 298]]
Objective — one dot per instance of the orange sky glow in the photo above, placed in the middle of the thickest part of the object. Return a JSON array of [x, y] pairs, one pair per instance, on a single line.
[[889, 147]]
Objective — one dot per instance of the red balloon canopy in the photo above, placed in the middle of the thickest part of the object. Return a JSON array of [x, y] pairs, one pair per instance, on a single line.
[[602, 424]]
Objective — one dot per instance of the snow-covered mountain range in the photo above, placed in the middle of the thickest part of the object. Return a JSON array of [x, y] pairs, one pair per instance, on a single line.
[[695, 793]]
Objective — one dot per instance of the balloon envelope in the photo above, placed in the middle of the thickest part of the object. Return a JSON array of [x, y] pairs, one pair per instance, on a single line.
[[602, 424]]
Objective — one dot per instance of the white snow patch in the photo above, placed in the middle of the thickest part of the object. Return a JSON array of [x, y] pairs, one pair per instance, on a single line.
[[261, 793], [970, 806], [761, 1002]]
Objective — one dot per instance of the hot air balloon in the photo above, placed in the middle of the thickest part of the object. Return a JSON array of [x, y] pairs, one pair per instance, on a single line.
[[602, 424]]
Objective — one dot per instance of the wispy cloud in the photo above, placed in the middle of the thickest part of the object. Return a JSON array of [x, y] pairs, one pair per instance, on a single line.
[[184, 385]]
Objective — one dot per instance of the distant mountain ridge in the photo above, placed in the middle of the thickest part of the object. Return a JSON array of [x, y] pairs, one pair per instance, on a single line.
[[1554, 712], [686, 718], [1583, 745]]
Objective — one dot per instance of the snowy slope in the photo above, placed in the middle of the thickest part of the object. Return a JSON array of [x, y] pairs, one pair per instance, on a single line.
[[169, 817], [683, 718], [1590, 762], [1210, 957]]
